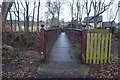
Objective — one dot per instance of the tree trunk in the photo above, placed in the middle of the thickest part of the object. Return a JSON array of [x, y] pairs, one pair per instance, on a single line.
[[52, 20], [78, 10], [58, 19], [24, 21], [11, 29], [15, 22], [95, 12], [87, 20], [0, 22], [72, 14], [33, 16], [18, 17], [27, 17], [38, 17], [15, 25], [77, 20], [59, 13], [5, 8], [95, 22]]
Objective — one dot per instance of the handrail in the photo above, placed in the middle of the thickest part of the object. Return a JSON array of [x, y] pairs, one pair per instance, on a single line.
[[78, 38], [47, 39]]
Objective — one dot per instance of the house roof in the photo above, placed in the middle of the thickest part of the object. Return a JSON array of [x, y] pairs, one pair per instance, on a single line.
[[109, 24], [99, 18]]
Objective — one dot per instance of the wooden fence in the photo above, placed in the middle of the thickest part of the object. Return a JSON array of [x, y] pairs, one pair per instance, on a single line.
[[98, 48], [95, 45]]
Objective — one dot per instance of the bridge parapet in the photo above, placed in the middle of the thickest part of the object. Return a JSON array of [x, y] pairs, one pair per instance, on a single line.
[[47, 39], [78, 38]]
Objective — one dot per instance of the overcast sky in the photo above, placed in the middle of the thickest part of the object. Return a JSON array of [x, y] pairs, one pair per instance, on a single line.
[[65, 11]]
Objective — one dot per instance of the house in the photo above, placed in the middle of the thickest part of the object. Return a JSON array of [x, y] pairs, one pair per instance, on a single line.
[[109, 25], [91, 21]]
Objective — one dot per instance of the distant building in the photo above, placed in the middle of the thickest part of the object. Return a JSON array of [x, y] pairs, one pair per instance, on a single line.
[[111, 24], [91, 21]]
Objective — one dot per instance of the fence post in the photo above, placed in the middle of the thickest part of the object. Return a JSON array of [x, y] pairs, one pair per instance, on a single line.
[[42, 44], [84, 43]]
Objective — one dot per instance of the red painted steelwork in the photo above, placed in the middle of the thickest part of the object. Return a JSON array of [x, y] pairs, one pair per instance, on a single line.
[[42, 44], [84, 39], [78, 38]]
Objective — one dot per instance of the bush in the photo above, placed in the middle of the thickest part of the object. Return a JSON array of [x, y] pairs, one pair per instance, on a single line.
[[7, 51], [9, 55]]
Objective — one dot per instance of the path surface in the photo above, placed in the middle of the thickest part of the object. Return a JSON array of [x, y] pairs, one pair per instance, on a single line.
[[62, 50], [63, 63]]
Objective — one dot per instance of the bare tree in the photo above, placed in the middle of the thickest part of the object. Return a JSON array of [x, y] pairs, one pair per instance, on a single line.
[[27, 15], [5, 8], [18, 17], [47, 17], [99, 7], [15, 19], [111, 15], [78, 6], [38, 16], [33, 14], [71, 6], [112, 12], [119, 12], [51, 9], [58, 5], [88, 10], [3, 14], [11, 29], [76, 9], [23, 15]]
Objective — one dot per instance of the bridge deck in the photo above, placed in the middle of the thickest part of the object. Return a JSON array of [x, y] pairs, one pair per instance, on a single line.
[[63, 63], [62, 50]]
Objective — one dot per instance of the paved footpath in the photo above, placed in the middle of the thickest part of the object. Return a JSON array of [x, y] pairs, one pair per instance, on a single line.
[[63, 63], [62, 50]]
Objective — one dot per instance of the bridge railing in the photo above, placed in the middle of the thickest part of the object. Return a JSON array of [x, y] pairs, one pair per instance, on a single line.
[[47, 39], [78, 39], [51, 36], [74, 36]]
